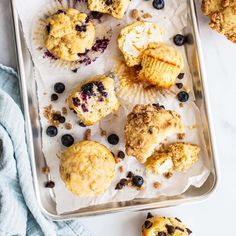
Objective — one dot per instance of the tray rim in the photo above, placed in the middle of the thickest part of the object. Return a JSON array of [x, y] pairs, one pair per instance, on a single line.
[[144, 206]]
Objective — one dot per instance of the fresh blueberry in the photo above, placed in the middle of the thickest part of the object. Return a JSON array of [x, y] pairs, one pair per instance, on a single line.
[[179, 40], [179, 85], [67, 140], [50, 184], [56, 116], [183, 96], [137, 181], [113, 139], [121, 155], [87, 88], [51, 131], [180, 76], [54, 97], [96, 15], [158, 4], [59, 87], [62, 119]]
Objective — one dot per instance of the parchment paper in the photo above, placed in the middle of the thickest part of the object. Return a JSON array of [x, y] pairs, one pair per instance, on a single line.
[[173, 18]]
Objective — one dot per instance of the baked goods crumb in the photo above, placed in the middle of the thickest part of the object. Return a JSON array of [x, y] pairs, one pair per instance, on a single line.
[[64, 111], [48, 114], [87, 134], [181, 105], [146, 15], [68, 126], [103, 132], [192, 127], [117, 160], [181, 136], [168, 175], [121, 169], [46, 170], [157, 185], [134, 13]]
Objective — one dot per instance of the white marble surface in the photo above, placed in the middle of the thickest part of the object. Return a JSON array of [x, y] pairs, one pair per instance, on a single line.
[[214, 216]]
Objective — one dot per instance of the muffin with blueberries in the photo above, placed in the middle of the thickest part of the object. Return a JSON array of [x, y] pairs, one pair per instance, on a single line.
[[161, 63], [87, 168], [116, 8], [69, 34], [93, 99], [164, 226]]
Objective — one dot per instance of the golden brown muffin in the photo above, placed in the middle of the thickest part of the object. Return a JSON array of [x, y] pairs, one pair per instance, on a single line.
[[222, 14], [69, 33], [134, 39], [87, 168], [93, 99], [116, 8], [147, 126], [164, 226], [176, 156], [161, 64]]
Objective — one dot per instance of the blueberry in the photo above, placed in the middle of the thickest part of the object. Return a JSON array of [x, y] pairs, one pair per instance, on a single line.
[[87, 88], [158, 4], [51, 131], [81, 124], [50, 184], [121, 155], [179, 40], [54, 97], [59, 87], [130, 174], [179, 85], [124, 182], [148, 224], [137, 181], [108, 2], [113, 139], [96, 15], [180, 76], [183, 96], [56, 116], [62, 119], [67, 140], [149, 215], [81, 28]]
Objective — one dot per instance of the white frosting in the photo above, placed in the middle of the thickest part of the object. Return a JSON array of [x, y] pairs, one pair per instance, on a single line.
[[165, 167], [140, 36]]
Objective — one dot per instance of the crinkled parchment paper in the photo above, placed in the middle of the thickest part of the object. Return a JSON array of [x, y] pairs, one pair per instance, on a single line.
[[173, 18]]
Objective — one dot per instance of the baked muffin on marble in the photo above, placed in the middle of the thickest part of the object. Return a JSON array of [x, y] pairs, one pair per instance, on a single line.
[[164, 226], [93, 99], [87, 168], [222, 14], [136, 37], [116, 8], [161, 64], [176, 156], [69, 33], [147, 126]]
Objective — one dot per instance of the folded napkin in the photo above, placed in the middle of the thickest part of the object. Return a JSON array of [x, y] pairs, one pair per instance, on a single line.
[[19, 211]]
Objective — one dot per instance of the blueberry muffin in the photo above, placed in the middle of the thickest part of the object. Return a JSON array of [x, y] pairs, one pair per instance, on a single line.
[[135, 38], [147, 126], [87, 168], [164, 226], [161, 64], [93, 99], [222, 14], [69, 33], [176, 156], [116, 8]]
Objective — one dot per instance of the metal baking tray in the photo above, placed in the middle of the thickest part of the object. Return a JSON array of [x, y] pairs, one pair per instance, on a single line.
[[45, 196]]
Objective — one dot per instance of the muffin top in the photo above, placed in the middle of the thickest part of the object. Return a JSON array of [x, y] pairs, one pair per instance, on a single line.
[[69, 33], [147, 126], [87, 168]]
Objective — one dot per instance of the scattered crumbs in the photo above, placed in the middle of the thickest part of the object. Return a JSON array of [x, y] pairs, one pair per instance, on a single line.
[[50, 184], [168, 175], [146, 15], [103, 132], [139, 18], [64, 111], [162, 147], [46, 170], [142, 11], [48, 114], [117, 160], [121, 169], [140, 188], [68, 126], [181, 104], [87, 134], [44, 93], [192, 127], [181, 136], [134, 13], [157, 185]]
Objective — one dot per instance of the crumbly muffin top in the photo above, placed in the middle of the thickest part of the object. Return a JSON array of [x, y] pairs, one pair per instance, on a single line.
[[87, 168], [147, 126], [69, 33]]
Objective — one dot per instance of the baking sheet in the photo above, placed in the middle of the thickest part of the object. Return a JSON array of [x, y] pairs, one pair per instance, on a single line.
[[173, 19]]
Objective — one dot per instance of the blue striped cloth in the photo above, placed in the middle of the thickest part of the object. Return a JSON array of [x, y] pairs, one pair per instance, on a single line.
[[19, 211]]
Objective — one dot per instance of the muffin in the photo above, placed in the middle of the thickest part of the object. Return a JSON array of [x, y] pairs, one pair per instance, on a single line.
[[93, 99], [176, 156], [164, 226], [135, 38], [87, 168], [222, 16], [69, 33], [161, 64], [147, 126], [116, 8]]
